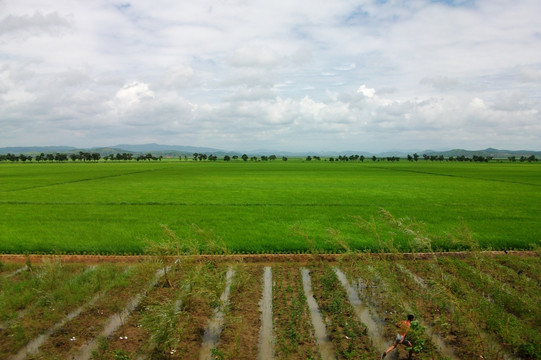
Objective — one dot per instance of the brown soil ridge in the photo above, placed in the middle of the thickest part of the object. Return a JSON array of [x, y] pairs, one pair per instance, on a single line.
[[251, 258]]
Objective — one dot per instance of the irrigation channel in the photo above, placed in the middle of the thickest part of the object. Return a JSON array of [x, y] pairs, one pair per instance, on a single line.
[[319, 309]]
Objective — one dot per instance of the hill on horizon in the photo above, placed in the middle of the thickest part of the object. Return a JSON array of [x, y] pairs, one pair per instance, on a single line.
[[181, 150]]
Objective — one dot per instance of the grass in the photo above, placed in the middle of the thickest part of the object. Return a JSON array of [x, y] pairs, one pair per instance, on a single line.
[[264, 206]]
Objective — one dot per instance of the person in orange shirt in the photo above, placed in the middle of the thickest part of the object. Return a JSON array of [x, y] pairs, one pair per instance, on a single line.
[[403, 328]]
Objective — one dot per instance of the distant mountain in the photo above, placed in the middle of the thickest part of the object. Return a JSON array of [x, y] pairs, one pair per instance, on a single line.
[[36, 149], [181, 150], [166, 148], [495, 153]]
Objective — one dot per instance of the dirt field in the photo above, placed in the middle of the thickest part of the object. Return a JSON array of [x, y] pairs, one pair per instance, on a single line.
[[467, 306]]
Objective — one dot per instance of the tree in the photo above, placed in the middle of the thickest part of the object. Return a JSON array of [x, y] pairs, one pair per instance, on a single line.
[[284, 158], [308, 158], [415, 157], [272, 157], [61, 157], [361, 158], [227, 158], [244, 157], [374, 158]]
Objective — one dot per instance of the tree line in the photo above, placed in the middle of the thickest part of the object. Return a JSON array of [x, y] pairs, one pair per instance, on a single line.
[[81, 156], [474, 158], [244, 157]]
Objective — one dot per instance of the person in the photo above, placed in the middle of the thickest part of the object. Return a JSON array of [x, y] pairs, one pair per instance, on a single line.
[[403, 328]]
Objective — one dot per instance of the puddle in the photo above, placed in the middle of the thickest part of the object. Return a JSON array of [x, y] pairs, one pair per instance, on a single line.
[[215, 325], [115, 321], [18, 271], [33, 346], [325, 346], [443, 348], [266, 337], [419, 280], [362, 312]]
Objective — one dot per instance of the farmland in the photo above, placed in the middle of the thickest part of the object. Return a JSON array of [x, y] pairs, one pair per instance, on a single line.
[[480, 305], [267, 207]]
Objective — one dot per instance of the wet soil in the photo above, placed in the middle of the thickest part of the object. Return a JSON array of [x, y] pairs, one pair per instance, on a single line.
[[133, 339], [266, 332], [387, 289], [451, 323], [326, 347], [240, 336], [41, 309], [67, 341], [293, 329], [214, 327]]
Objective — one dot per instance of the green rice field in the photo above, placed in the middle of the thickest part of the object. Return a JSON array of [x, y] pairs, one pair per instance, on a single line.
[[269, 207]]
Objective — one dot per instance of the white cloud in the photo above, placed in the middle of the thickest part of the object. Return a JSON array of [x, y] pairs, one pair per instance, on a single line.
[[133, 94], [369, 93], [295, 75], [23, 26]]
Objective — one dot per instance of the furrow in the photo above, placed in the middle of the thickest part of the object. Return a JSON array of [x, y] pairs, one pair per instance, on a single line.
[[116, 320], [33, 346], [215, 324], [362, 312], [326, 347], [266, 336]]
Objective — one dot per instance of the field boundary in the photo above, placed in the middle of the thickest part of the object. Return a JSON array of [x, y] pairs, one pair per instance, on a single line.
[[251, 258]]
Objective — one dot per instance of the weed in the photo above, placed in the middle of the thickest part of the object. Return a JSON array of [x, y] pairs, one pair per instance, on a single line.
[[161, 322], [120, 355], [217, 354]]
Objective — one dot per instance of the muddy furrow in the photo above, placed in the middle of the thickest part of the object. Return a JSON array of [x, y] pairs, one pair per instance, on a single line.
[[115, 320], [443, 347], [266, 337], [362, 312], [215, 325], [326, 347], [15, 272], [33, 346]]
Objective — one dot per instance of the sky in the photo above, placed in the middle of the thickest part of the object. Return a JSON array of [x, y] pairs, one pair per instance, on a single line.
[[367, 75]]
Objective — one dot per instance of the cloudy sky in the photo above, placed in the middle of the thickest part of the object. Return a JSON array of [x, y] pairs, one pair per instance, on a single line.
[[292, 75]]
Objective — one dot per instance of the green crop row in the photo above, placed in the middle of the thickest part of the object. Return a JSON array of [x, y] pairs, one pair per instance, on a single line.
[[270, 207]]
